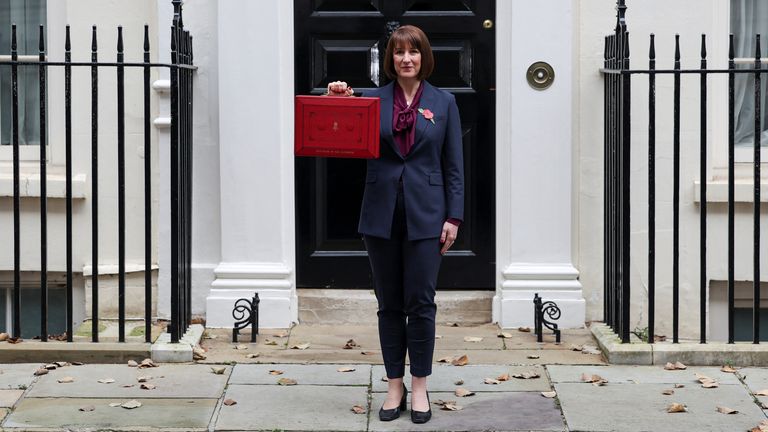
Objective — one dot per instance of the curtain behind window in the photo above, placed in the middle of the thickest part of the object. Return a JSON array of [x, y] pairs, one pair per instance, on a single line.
[[27, 15], [748, 18]]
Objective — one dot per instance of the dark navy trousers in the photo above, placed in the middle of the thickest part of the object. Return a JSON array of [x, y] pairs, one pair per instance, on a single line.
[[404, 280]]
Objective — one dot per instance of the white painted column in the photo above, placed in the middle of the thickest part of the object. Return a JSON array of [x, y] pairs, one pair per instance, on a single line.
[[255, 43], [534, 154]]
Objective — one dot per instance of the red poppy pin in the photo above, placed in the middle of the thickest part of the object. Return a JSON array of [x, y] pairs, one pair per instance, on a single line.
[[427, 114]]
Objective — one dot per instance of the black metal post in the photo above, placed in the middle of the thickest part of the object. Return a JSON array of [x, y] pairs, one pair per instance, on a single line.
[[121, 184], [147, 195], [731, 192], [756, 206], [651, 191], [676, 199], [16, 188], [43, 195], [703, 197], [94, 189], [68, 157]]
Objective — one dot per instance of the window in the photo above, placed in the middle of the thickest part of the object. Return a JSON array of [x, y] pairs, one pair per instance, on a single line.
[[748, 18], [27, 15], [30, 311]]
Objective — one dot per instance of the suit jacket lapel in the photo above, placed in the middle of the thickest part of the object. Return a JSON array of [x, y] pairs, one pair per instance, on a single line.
[[427, 102], [387, 103]]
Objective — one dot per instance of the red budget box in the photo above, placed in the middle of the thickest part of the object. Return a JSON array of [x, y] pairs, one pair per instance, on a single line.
[[335, 126]]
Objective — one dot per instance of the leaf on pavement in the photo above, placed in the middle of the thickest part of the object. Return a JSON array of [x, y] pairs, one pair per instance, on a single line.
[[67, 379], [505, 335], [229, 402], [676, 408], [275, 372], [41, 371], [594, 379], [218, 370], [350, 344], [252, 355], [345, 369], [147, 363], [460, 361], [524, 329], [445, 359], [728, 369], [459, 382], [472, 339], [533, 356], [367, 352], [726, 410], [131, 404], [115, 404], [357, 409], [132, 363], [526, 375], [462, 392], [668, 392], [106, 380], [491, 381], [549, 394], [286, 381], [270, 342], [301, 346], [503, 377], [144, 378], [241, 347], [148, 386], [87, 408], [762, 393]]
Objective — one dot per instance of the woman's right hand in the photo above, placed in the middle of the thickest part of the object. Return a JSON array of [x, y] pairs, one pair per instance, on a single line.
[[339, 88]]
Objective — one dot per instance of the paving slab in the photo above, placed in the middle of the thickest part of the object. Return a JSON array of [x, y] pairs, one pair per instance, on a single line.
[[453, 337], [3, 413], [513, 411], [443, 378], [17, 375], [8, 398], [520, 357], [304, 374], [755, 378], [336, 336], [641, 374], [154, 414], [293, 408], [642, 407], [172, 381]]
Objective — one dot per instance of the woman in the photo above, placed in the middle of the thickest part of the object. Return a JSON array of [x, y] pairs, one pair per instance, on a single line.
[[412, 207]]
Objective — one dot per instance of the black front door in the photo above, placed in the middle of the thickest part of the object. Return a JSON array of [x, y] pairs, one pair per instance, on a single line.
[[345, 40]]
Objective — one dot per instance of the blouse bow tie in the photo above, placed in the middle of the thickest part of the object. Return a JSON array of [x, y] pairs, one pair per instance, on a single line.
[[405, 120]]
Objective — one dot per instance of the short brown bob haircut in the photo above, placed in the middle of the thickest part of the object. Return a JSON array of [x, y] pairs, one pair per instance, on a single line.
[[405, 36]]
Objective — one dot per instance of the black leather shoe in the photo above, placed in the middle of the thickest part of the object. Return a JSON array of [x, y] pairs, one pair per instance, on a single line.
[[391, 414], [422, 416]]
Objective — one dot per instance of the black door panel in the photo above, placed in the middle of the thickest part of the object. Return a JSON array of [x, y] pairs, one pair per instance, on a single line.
[[346, 40]]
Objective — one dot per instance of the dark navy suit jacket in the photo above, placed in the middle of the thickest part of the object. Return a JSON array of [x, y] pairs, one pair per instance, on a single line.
[[432, 172]]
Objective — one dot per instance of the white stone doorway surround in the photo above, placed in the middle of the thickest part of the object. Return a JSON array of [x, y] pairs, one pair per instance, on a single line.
[[535, 188]]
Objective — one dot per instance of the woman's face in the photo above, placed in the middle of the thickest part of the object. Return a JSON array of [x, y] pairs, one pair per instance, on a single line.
[[407, 60]]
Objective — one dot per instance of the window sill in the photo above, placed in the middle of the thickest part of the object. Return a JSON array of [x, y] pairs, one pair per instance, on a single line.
[[717, 191], [29, 186]]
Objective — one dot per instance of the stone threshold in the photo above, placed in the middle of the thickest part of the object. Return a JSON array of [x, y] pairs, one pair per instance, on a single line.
[[161, 351], [689, 352]]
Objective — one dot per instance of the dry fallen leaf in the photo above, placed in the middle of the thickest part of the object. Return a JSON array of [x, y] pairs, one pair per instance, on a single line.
[[503, 377], [275, 372], [594, 379], [367, 352], [452, 324], [51, 366], [132, 363], [115, 404], [462, 392], [728, 369], [128, 385], [472, 339], [762, 427], [533, 356], [385, 379], [286, 381], [345, 369], [460, 361], [668, 392], [61, 363], [762, 393], [675, 366], [357, 409], [4, 337], [445, 360], [301, 346], [676, 408], [198, 353], [710, 384], [87, 408], [575, 348], [67, 379], [679, 365], [706, 381], [459, 382], [147, 386], [147, 363], [218, 370], [351, 344], [491, 381], [144, 378], [726, 410], [438, 336], [524, 329], [15, 340], [41, 371], [590, 349], [106, 380], [241, 347], [282, 334], [526, 375], [252, 355], [504, 335], [270, 342], [549, 394], [679, 385], [229, 402], [131, 404], [451, 407]]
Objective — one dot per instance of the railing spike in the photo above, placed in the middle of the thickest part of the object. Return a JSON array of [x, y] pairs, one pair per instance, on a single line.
[[703, 46], [67, 42], [41, 39], [93, 39], [652, 50], [677, 47]]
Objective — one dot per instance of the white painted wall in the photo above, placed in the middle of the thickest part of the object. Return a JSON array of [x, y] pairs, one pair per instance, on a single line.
[[690, 18]]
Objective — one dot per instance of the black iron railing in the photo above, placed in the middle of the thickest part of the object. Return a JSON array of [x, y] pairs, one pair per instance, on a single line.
[[181, 70], [617, 165]]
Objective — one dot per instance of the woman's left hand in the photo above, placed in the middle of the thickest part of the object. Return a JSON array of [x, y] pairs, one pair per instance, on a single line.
[[450, 231]]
